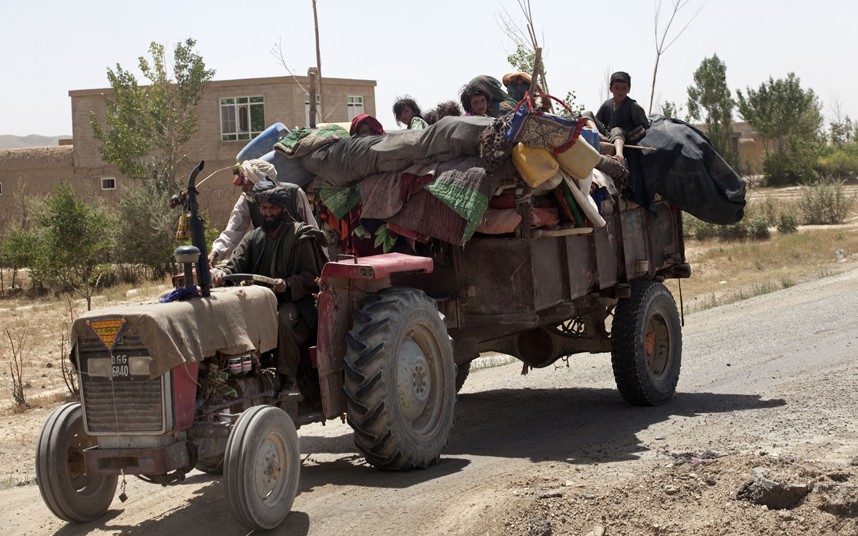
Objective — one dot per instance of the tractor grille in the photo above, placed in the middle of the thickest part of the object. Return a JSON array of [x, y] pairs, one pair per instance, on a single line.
[[117, 394]]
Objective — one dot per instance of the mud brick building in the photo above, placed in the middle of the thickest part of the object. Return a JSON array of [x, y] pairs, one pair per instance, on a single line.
[[230, 113]]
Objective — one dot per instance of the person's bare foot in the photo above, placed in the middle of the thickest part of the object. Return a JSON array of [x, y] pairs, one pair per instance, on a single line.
[[611, 166]]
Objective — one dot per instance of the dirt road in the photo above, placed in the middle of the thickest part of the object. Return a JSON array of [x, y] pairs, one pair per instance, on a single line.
[[767, 383]]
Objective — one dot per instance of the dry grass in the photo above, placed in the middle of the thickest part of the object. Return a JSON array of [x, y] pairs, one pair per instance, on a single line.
[[43, 324], [724, 272]]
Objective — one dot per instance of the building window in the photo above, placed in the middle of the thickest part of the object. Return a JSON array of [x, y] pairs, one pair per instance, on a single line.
[[354, 106], [241, 118], [108, 183], [307, 109]]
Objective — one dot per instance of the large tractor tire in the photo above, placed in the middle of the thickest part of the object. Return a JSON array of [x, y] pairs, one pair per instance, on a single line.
[[261, 467], [68, 491], [400, 380], [646, 345]]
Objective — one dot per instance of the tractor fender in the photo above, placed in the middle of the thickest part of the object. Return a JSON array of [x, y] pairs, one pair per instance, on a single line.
[[343, 286]]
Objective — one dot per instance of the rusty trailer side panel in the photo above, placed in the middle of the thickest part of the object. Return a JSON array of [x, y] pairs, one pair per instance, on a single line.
[[512, 277]]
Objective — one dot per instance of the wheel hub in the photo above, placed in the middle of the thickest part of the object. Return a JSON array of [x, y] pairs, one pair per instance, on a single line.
[[415, 381], [656, 347], [268, 469]]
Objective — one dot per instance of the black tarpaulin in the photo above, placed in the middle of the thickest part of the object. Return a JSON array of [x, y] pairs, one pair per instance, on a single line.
[[685, 170]]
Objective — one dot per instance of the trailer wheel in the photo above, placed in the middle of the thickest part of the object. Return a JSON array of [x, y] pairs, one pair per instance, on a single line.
[[462, 373], [261, 467], [68, 491], [400, 380], [646, 345]]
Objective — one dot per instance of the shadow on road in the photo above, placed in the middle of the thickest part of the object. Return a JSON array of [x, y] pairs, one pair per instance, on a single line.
[[573, 425]]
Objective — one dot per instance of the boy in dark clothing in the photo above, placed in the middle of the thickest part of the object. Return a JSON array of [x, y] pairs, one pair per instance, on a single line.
[[620, 119]]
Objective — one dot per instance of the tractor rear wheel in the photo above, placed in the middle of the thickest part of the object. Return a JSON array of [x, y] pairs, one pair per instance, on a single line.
[[400, 379]]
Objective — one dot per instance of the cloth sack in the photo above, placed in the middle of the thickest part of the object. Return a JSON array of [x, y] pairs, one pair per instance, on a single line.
[[535, 128]]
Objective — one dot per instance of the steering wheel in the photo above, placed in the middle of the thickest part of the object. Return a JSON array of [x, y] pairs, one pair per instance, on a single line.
[[250, 277]]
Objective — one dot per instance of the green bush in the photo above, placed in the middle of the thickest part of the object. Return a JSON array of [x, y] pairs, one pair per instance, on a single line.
[[825, 203], [146, 230], [697, 228], [755, 225], [736, 231], [787, 223], [767, 207], [758, 228], [705, 231], [795, 165], [841, 164]]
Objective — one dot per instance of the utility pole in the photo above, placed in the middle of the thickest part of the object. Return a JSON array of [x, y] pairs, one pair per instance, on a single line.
[[312, 75], [318, 59]]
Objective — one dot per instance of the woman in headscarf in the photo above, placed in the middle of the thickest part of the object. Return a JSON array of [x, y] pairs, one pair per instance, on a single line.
[[366, 125], [500, 102]]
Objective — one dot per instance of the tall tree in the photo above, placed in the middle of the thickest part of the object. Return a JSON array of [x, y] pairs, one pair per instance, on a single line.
[[525, 41], [670, 109], [789, 118], [71, 253], [842, 128], [148, 126], [710, 101], [664, 39]]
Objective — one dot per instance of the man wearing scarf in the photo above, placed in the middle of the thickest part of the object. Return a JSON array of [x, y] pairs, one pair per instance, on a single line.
[[245, 214], [290, 253]]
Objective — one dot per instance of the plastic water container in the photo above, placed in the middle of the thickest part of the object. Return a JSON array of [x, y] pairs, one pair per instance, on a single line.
[[591, 136], [262, 143], [288, 169], [534, 165], [578, 160]]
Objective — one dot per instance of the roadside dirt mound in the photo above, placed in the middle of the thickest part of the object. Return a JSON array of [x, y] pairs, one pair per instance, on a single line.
[[692, 494]]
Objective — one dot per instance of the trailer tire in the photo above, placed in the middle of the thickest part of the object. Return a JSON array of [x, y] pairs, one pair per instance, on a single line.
[[68, 491], [262, 465], [646, 345], [400, 380]]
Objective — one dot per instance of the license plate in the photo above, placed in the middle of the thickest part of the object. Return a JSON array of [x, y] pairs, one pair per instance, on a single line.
[[119, 366]]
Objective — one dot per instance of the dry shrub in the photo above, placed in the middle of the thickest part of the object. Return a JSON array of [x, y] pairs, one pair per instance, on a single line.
[[16, 369], [825, 203]]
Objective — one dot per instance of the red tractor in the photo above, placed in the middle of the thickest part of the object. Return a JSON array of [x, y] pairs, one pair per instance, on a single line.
[[169, 387]]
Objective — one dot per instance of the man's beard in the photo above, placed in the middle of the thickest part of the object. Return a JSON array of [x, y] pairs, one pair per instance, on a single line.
[[274, 223]]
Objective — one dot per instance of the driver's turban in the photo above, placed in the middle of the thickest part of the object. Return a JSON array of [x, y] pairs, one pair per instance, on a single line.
[[274, 193]]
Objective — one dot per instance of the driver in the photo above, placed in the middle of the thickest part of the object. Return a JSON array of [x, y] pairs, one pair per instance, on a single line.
[[291, 253], [245, 214]]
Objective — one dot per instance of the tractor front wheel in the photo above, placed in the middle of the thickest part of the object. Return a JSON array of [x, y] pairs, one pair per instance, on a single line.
[[68, 491], [261, 467]]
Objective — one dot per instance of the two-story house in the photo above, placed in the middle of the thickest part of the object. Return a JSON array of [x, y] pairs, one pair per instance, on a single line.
[[231, 113]]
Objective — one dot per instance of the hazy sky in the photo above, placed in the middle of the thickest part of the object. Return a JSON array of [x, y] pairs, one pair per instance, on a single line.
[[427, 49]]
